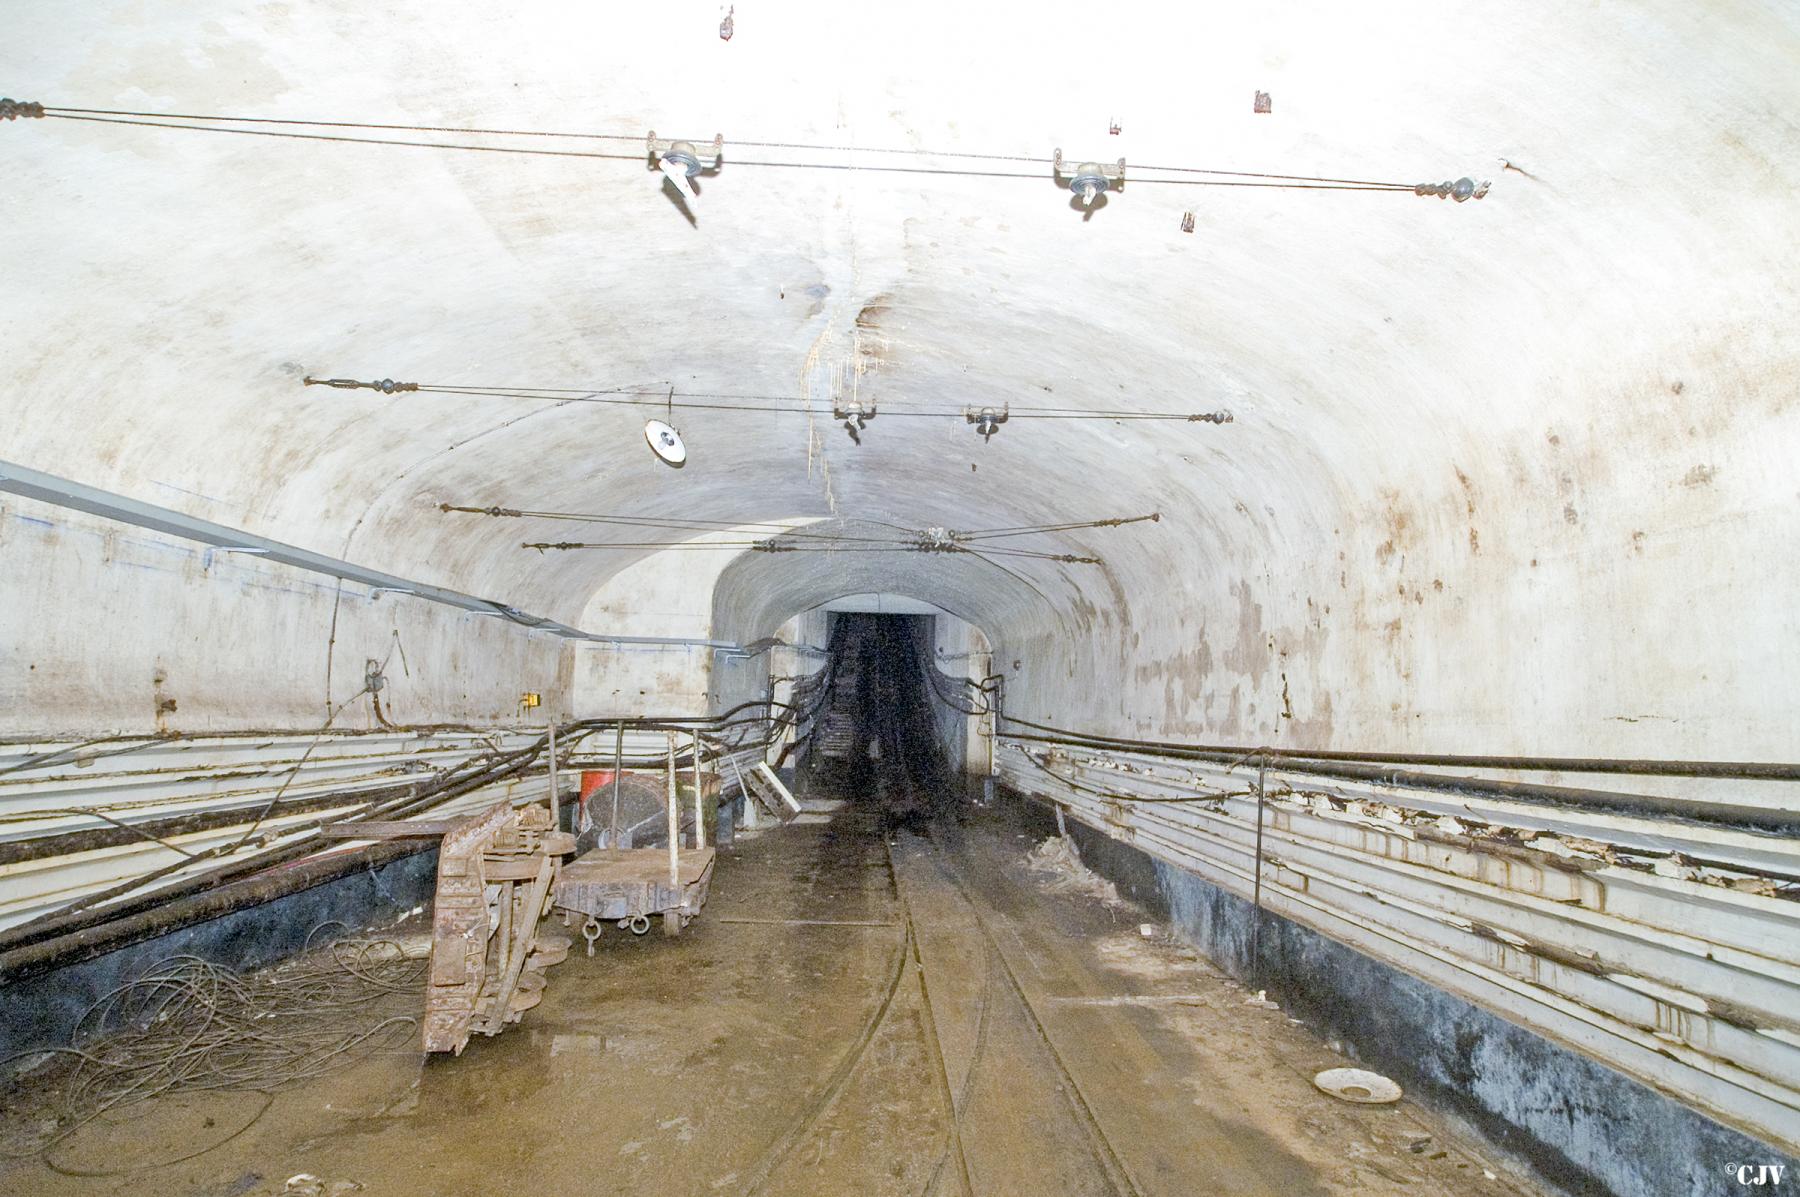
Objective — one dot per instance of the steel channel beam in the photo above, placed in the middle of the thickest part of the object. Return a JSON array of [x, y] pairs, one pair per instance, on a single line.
[[77, 496]]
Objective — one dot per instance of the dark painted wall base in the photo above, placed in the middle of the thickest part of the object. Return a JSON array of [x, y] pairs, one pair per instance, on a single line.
[[1579, 1124], [41, 1011]]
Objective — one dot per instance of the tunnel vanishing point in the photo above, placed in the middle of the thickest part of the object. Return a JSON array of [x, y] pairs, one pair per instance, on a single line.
[[1147, 599]]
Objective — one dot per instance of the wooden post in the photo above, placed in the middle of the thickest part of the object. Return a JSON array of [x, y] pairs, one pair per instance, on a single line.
[[674, 824], [555, 809], [699, 821]]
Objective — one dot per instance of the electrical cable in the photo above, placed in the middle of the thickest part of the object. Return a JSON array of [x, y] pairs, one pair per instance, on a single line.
[[765, 404], [765, 546], [39, 812], [187, 1025], [1115, 796], [911, 537], [81, 916], [46, 759], [1204, 176]]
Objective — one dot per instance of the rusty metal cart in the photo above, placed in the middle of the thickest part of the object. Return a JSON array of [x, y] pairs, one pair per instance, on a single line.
[[627, 886]]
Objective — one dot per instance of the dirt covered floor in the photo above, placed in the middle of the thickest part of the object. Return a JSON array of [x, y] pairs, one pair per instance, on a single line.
[[858, 1011]]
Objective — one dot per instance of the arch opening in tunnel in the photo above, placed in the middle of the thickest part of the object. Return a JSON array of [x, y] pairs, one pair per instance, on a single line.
[[899, 729]]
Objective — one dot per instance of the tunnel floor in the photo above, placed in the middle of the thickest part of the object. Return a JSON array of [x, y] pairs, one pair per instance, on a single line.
[[845, 990]]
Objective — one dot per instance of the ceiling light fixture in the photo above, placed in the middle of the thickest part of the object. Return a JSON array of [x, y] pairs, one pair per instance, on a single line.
[[665, 442]]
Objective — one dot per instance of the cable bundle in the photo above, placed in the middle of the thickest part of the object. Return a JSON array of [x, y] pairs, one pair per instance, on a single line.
[[188, 1025]]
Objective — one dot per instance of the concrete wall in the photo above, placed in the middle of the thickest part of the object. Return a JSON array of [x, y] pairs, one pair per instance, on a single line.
[[959, 651], [1608, 585], [109, 628]]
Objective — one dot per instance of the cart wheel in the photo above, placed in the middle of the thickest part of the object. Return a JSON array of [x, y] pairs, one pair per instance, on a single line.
[[639, 924], [590, 931], [671, 922]]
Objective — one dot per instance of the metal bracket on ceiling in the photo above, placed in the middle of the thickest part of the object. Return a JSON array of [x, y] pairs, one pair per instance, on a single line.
[[680, 161], [1090, 180], [659, 148], [987, 420], [938, 539], [206, 556], [854, 414], [386, 386], [1459, 190]]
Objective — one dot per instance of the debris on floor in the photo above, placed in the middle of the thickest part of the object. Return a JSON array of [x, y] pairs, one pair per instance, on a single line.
[[189, 1027], [1058, 859], [1358, 1085], [305, 1184]]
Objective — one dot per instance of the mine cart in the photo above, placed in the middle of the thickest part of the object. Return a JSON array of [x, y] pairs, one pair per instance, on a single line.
[[627, 886]]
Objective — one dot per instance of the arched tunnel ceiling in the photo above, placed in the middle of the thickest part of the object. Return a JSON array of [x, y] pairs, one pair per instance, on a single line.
[[168, 290]]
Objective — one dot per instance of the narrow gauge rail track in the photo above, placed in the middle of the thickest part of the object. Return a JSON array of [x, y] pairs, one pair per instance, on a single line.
[[908, 782]]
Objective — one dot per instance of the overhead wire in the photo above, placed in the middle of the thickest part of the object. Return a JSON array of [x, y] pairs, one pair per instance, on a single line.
[[814, 541], [286, 127], [765, 404], [764, 546], [784, 531]]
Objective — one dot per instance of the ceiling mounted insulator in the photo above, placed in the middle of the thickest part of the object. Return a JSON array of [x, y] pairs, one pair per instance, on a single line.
[[1459, 190], [987, 420], [854, 415], [680, 161], [937, 539], [1090, 180]]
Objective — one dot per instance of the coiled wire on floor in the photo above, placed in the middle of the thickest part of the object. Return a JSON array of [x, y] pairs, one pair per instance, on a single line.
[[187, 1024]]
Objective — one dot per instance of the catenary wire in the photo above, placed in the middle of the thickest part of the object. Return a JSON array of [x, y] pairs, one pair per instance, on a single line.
[[777, 404], [1203, 176]]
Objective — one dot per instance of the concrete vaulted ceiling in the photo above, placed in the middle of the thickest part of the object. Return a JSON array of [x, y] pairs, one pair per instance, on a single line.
[[1596, 360]]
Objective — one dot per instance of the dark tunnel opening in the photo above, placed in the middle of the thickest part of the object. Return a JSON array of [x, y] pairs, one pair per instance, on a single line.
[[879, 742]]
